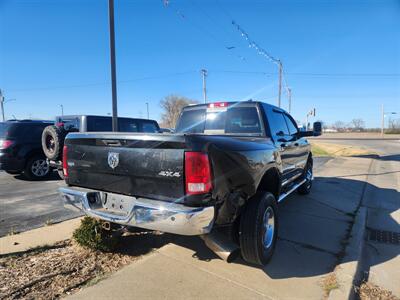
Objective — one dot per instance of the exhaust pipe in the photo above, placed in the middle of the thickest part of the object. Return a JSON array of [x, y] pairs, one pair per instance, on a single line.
[[222, 246]]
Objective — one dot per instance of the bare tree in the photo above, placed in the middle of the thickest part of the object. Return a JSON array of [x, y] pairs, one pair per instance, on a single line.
[[358, 124], [394, 123], [339, 126], [172, 106]]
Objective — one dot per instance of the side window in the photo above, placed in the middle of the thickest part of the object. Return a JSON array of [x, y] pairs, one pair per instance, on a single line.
[[291, 125], [149, 127], [99, 124], [277, 123], [127, 125]]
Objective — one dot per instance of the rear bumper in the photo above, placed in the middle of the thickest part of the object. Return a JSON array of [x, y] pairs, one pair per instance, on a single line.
[[140, 212]]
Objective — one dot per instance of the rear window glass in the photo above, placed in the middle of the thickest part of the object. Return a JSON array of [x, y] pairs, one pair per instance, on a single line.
[[234, 120], [27, 131], [69, 123]]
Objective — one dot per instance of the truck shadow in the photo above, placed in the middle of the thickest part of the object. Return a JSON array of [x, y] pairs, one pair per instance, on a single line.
[[313, 229]]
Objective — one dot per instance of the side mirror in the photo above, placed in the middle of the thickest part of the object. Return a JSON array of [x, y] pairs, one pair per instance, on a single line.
[[317, 128]]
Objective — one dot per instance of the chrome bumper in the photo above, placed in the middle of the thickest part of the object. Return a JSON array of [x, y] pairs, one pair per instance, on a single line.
[[140, 212]]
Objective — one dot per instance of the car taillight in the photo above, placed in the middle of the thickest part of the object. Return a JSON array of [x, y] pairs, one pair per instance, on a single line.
[[4, 144], [64, 161], [197, 173]]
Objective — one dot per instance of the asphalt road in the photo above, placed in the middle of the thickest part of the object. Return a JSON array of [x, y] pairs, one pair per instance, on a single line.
[[25, 205]]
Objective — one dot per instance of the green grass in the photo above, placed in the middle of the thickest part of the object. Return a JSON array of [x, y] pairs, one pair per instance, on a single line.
[[318, 151]]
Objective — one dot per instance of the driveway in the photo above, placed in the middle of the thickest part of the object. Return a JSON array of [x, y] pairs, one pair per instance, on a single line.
[[25, 205]]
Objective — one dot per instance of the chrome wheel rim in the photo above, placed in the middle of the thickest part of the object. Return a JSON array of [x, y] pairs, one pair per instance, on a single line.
[[40, 168], [268, 227]]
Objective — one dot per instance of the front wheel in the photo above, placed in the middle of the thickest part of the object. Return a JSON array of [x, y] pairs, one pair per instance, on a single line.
[[259, 228], [37, 168]]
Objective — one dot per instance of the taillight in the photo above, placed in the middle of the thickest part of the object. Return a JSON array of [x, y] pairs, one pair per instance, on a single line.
[[4, 144], [218, 104], [197, 173], [64, 161]]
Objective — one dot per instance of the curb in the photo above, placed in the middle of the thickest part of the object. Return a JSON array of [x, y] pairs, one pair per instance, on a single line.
[[39, 237], [349, 271]]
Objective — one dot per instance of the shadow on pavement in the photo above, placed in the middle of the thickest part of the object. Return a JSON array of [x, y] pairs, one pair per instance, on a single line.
[[313, 229], [391, 157], [52, 177]]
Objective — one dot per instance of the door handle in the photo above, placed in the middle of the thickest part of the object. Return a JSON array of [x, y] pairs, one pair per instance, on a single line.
[[296, 144]]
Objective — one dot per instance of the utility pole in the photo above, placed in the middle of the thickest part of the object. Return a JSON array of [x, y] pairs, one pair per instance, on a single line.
[[113, 68], [2, 105], [280, 83], [290, 99], [62, 110], [382, 120], [204, 73], [147, 106]]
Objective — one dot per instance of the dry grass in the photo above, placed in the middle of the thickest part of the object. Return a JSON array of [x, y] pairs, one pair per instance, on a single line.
[[329, 283], [328, 149], [369, 291]]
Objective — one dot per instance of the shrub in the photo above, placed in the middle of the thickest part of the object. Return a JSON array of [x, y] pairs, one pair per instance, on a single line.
[[90, 234]]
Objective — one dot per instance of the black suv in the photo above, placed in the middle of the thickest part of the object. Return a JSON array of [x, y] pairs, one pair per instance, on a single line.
[[21, 149]]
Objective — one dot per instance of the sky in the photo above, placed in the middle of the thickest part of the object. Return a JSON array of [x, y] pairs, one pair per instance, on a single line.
[[341, 57]]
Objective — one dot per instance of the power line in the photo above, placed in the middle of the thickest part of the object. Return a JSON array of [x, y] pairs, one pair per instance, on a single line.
[[312, 74], [184, 17]]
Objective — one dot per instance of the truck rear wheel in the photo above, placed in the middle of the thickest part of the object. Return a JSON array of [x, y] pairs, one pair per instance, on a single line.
[[53, 142], [259, 228]]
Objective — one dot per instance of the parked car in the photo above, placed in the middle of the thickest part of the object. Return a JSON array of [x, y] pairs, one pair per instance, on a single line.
[[53, 136], [221, 175], [21, 148]]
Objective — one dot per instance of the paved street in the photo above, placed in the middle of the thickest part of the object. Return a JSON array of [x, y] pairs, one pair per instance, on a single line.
[[25, 205]]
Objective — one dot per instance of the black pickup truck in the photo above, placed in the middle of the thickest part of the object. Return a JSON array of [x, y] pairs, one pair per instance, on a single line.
[[221, 175]]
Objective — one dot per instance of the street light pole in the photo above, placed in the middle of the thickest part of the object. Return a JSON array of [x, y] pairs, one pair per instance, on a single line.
[[62, 110], [382, 120], [280, 83], [113, 68], [2, 105], [290, 99], [204, 73]]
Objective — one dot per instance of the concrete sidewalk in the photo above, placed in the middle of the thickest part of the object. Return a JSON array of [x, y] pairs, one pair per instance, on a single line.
[[382, 257], [47, 235], [313, 230]]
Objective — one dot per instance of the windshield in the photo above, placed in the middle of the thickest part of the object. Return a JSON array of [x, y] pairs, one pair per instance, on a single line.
[[234, 120]]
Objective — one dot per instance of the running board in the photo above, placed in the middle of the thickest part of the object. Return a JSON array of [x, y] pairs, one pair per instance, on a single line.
[[284, 195]]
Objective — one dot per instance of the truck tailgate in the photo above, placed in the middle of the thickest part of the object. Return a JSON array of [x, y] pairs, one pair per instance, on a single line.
[[139, 165]]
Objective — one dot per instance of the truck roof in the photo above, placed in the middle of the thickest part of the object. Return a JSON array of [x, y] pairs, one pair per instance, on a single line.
[[231, 103], [98, 116]]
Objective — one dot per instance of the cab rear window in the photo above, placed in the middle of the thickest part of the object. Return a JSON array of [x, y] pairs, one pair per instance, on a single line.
[[231, 120]]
